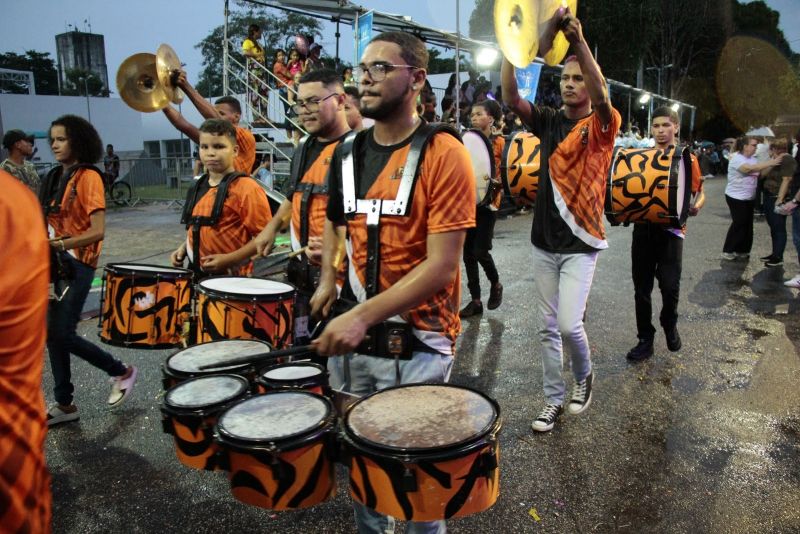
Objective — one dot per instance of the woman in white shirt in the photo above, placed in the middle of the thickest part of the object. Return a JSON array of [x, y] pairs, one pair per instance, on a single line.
[[743, 171]]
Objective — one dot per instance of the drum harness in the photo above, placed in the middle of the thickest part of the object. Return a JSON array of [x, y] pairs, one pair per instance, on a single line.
[[387, 339], [197, 221]]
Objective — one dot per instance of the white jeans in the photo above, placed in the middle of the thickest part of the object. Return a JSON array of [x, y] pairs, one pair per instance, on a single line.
[[563, 282], [362, 375]]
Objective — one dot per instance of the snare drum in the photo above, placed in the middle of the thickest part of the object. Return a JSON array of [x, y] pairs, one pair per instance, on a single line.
[[278, 448], [186, 364], [231, 307], [649, 185], [481, 155], [190, 411], [144, 305], [520, 169], [294, 375], [424, 452]]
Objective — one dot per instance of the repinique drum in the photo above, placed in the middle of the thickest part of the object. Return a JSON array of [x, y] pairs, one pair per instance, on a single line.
[[424, 452], [521, 165], [649, 185], [144, 306], [294, 375], [480, 153], [278, 449], [232, 307], [190, 411], [186, 363]]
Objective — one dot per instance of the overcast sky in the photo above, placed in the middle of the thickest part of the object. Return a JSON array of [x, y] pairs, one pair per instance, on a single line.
[[132, 26]]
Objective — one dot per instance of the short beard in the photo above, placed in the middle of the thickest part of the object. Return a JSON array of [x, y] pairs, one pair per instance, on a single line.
[[386, 108]]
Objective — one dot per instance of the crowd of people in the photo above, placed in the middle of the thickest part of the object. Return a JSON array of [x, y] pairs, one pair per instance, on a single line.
[[379, 219]]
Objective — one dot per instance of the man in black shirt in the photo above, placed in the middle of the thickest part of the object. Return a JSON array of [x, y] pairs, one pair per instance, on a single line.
[[567, 233]]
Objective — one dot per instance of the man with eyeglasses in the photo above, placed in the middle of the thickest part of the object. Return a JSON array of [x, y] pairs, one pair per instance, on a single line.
[[320, 108], [567, 234], [405, 225]]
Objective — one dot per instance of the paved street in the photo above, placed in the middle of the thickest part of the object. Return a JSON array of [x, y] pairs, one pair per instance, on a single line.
[[703, 440]]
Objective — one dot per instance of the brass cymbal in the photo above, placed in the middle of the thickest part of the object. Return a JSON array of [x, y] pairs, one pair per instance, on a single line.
[[560, 44], [138, 84], [516, 28], [168, 67]]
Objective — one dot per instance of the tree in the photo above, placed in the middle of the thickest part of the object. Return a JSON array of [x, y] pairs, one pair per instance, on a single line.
[[278, 30], [77, 82], [437, 64], [481, 21], [45, 75]]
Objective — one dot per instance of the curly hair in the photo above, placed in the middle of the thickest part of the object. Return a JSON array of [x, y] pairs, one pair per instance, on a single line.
[[492, 109], [219, 127], [84, 141]]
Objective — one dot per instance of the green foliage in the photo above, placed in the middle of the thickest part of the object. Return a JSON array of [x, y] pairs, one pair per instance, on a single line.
[[278, 31], [45, 75], [438, 64], [481, 21], [77, 82]]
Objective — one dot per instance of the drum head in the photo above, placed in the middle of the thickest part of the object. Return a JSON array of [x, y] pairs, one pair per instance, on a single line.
[[205, 392], [480, 153], [134, 268], [293, 371], [246, 287], [275, 416], [190, 360], [421, 417]]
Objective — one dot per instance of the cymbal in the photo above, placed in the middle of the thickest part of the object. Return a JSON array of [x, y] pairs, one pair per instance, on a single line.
[[560, 44], [168, 66], [138, 84], [516, 27]]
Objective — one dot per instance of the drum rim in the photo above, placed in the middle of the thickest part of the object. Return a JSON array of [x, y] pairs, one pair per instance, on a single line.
[[286, 443], [115, 268], [478, 440], [177, 373], [206, 409], [230, 295], [269, 381]]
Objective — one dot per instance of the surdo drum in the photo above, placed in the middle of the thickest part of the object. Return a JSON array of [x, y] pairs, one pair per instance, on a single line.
[[186, 363], [231, 307], [521, 166], [649, 185], [482, 158], [424, 452], [278, 449], [190, 411], [307, 376], [144, 306]]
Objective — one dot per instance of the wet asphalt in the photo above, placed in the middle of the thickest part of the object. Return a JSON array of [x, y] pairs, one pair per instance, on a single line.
[[702, 440]]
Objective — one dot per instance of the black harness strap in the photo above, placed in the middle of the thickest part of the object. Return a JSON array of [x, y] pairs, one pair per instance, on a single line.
[[55, 185]]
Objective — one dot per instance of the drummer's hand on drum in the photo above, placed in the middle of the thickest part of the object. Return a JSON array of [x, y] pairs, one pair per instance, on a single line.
[[314, 250], [215, 263], [178, 256], [322, 300], [342, 335], [265, 241]]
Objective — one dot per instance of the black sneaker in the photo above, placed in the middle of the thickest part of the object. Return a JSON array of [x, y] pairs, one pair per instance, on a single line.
[[471, 309], [773, 262], [673, 339], [495, 296], [581, 395], [547, 419], [766, 258], [642, 351]]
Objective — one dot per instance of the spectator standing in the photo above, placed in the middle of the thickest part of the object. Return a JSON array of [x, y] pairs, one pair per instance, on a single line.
[[295, 64], [352, 108], [790, 208], [775, 184], [111, 165], [314, 62], [20, 146], [348, 79], [263, 172], [256, 58]]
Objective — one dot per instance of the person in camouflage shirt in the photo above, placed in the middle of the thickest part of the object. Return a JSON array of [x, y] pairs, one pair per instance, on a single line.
[[20, 146]]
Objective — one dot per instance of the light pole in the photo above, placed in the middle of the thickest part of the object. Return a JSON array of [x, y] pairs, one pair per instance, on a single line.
[[660, 70], [86, 90]]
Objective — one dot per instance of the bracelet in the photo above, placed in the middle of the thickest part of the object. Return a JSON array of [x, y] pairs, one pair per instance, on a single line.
[[61, 243]]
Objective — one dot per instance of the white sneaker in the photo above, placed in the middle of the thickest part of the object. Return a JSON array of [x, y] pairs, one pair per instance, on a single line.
[[794, 282], [728, 256], [121, 388]]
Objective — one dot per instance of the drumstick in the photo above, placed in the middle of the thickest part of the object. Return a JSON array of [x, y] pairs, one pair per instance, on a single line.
[[263, 356], [256, 256]]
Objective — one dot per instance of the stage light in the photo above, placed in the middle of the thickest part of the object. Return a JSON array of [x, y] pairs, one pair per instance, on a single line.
[[645, 98], [675, 107], [486, 57]]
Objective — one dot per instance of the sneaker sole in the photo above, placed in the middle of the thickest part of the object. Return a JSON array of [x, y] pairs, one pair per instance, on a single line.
[[582, 408], [61, 420], [547, 428], [128, 391]]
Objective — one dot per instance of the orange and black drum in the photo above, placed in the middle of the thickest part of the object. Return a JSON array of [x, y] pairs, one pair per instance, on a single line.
[[144, 306], [232, 307], [424, 452], [278, 449], [308, 376], [520, 168], [186, 364], [190, 411], [649, 185]]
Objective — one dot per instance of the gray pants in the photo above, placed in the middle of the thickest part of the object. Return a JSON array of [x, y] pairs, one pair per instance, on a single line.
[[362, 375], [563, 282]]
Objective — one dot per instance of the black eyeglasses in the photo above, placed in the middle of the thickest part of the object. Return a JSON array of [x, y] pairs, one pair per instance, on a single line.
[[312, 104], [378, 71]]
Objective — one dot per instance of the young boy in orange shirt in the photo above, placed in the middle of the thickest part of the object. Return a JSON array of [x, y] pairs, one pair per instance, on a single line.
[[220, 232]]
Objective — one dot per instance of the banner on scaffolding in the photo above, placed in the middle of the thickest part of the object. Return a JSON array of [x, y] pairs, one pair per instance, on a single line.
[[363, 32]]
